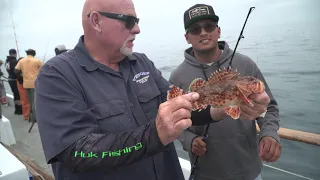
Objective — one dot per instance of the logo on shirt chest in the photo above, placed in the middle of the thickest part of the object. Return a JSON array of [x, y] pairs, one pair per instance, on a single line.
[[141, 77]]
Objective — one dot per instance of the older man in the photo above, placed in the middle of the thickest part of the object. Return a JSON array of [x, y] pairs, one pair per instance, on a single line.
[[101, 108]]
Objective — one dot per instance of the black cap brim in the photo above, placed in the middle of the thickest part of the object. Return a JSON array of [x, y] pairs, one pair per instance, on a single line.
[[215, 18]]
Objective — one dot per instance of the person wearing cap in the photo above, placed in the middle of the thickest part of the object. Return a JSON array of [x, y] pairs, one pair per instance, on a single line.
[[104, 101], [3, 96], [29, 67], [60, 49], [23, 97], [10, 64], [230, 151]]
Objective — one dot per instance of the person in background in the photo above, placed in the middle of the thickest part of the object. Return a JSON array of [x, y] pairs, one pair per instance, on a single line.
[[60, 49], [10, 64], [23, 97], [231, 150], [3, 96], [29, 68]]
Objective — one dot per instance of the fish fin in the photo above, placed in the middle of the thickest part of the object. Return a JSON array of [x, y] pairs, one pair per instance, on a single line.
[[233, 111], [174, 92], [196, 84], [198, 106], [224, 74], [245, 91]]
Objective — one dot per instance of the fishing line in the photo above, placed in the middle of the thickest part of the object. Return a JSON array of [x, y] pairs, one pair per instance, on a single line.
[[205, 135]]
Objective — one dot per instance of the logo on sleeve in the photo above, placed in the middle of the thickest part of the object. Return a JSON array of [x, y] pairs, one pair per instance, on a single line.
[[141, 77]]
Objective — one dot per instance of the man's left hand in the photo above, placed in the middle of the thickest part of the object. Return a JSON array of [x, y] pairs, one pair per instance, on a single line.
[[260, 102], [270, 149]]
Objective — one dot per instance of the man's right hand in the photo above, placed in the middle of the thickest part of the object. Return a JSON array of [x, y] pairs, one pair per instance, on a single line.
[[198, 146], [174, 117]]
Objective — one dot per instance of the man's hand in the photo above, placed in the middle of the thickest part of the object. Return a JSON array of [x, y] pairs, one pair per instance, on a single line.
[[260, 102], [174, 117], [270, 149], [198, 146], [218, 114]]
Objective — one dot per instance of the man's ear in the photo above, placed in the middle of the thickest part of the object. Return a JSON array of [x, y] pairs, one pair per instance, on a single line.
[[95, 21], [187, 38], [219, 31]]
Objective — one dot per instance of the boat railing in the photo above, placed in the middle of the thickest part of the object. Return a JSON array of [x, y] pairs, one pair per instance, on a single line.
[[296, 135], [285, 133]]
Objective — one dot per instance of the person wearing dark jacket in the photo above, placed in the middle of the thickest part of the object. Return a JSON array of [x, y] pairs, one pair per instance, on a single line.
[[10, 64], [60, 49], [102, 109], [3, 97], [231, 150]]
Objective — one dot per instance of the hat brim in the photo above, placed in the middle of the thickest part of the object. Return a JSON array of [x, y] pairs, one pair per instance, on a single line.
[[215, 18]]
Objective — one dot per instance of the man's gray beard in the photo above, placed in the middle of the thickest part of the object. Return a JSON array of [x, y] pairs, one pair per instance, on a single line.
[[125, 50]]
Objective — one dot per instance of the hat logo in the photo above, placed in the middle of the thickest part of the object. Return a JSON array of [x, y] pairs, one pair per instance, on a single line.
[[198, 11]]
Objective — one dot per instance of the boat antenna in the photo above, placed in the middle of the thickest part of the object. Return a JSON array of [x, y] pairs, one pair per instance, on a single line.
[[240, 36], [14, 31], [45, 52], [205, 135]]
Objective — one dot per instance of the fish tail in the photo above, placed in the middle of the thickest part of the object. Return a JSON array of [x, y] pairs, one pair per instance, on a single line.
[[233, 111]]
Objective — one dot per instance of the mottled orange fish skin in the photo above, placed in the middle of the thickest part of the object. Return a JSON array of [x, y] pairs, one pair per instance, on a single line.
[[220, 94], [223, 89], [174, 92]]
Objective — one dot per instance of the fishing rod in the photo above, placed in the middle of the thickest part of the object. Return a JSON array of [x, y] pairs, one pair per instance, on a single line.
[[205, 135], [14, 31], [194, 166], [240, 36]]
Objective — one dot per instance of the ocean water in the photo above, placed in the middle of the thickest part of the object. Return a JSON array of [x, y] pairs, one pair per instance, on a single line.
[[282, 37]]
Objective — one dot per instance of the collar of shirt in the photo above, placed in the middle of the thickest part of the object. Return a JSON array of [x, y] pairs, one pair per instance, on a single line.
[[87, 62]]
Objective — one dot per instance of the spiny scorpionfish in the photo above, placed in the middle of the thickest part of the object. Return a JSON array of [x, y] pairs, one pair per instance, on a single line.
[[224, 89]]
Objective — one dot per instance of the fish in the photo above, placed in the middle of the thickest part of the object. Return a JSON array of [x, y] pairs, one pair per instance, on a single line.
[[225, 88]]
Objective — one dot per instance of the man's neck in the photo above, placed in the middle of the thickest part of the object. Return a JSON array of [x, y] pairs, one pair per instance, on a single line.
[[208, 57], [103, 56]]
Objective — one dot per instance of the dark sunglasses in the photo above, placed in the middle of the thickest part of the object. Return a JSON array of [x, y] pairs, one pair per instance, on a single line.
[[208, 27], [130, 21]]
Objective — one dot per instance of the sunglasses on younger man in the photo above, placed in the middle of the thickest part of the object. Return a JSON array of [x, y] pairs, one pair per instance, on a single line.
[[196, 29], [130, 21]]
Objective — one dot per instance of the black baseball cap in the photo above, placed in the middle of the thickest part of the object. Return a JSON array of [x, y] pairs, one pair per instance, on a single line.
[[197, 13], [12, 51]]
